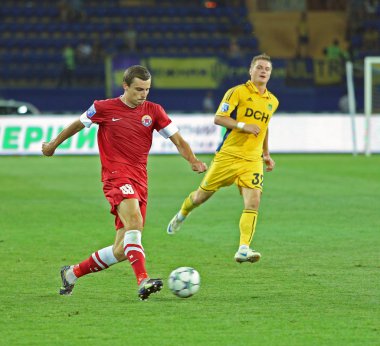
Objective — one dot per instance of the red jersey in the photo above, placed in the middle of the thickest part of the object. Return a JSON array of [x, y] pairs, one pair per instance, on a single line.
[[125, 136]]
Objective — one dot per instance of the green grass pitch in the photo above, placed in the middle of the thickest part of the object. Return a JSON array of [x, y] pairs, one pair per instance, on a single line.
[[318, 282]]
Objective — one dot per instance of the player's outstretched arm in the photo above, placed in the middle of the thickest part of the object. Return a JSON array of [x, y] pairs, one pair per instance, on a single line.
[[184, 149], [48, 148]]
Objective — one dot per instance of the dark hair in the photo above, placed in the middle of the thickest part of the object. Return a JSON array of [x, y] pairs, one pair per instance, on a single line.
[[135, 71], [261, 57]]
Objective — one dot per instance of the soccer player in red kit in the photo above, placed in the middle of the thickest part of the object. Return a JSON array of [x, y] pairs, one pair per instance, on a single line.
[[126, 125]]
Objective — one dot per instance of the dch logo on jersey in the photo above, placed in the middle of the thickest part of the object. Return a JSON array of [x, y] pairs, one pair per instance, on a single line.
[[91, 111], [146, 120], [264, 117], [127, 189], [224, 107]]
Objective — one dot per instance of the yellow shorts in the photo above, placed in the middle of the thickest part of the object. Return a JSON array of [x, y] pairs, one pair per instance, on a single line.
[[226, 170]]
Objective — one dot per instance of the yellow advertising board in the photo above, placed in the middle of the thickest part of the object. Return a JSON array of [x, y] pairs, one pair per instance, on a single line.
[[184, 73]]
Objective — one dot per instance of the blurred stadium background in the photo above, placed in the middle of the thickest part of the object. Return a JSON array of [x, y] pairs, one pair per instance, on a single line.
[[61, 55], [34, 35], [318, 228]]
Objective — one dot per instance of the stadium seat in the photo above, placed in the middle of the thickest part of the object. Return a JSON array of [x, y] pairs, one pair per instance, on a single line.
[[38, 34]]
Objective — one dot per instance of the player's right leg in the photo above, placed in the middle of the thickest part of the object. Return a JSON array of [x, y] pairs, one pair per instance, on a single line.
[[195, 199], [221, 173], [176, 222], [98, 261]]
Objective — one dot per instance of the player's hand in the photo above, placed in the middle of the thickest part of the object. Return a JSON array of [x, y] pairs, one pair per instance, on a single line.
[[269, 162], [198, 166], [251, 128], [48, 148]]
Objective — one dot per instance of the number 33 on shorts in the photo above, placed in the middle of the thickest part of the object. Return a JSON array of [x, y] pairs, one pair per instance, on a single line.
[[258, 179]]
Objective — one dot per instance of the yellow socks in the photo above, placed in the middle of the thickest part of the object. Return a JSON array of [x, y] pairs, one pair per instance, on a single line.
[[247, 226], [188, 205]]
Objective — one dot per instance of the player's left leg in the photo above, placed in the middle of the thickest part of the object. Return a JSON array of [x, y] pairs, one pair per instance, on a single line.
[[250, 183], [129, 237], [130, 214], [247, 226]]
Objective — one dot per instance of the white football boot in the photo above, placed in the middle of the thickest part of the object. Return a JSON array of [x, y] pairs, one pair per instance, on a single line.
[[245, 254], [174, 224]]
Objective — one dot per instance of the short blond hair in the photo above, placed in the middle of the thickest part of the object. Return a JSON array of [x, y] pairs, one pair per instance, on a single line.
[[261, 57]]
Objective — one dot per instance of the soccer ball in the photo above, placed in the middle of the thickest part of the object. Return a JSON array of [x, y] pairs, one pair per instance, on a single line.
[[184, 282]]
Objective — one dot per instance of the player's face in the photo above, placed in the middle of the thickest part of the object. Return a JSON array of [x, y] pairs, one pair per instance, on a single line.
[[260, 72], [137, 92]]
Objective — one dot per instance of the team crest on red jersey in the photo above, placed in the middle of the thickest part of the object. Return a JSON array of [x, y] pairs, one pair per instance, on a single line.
[[146, 120]]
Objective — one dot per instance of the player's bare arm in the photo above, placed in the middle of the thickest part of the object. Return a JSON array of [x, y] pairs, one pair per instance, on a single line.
[[231, 124], [48, 148], [184, 149], [269, 162]]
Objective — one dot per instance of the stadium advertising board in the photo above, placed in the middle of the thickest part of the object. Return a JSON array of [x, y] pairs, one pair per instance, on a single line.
[[184, 73], [301, 72], [24, 135], [301, 133], [214, 73], [169, 73]]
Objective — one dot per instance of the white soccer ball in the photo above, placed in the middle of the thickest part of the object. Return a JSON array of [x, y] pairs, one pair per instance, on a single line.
[[184, 282]]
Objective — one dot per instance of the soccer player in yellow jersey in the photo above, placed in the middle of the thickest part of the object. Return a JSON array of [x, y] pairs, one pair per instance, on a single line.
[[245, 112]]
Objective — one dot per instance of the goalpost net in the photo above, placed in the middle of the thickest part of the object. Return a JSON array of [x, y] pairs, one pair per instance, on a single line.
[[371, 103]]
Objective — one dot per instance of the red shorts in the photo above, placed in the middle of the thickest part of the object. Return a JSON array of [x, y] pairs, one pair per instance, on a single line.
[[119, 189]]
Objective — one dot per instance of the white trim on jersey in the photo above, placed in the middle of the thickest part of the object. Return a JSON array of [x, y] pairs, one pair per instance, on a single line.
[[84, 120], [168, 131]]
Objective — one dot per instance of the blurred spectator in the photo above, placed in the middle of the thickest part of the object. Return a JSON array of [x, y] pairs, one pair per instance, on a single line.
[[371, 8], [77, 10], [84, 52], [64, 10], [129, 44], [67, 73], [335, 52], [71, 10], [208, 103], [234, 52], [302, 29], [97, 51]]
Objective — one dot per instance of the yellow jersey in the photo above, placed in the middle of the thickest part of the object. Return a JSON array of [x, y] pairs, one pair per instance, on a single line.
[[244, 104]]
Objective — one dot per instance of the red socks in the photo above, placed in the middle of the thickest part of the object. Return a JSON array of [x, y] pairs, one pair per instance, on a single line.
[[98, 261], [134, 252], [104, 258]]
